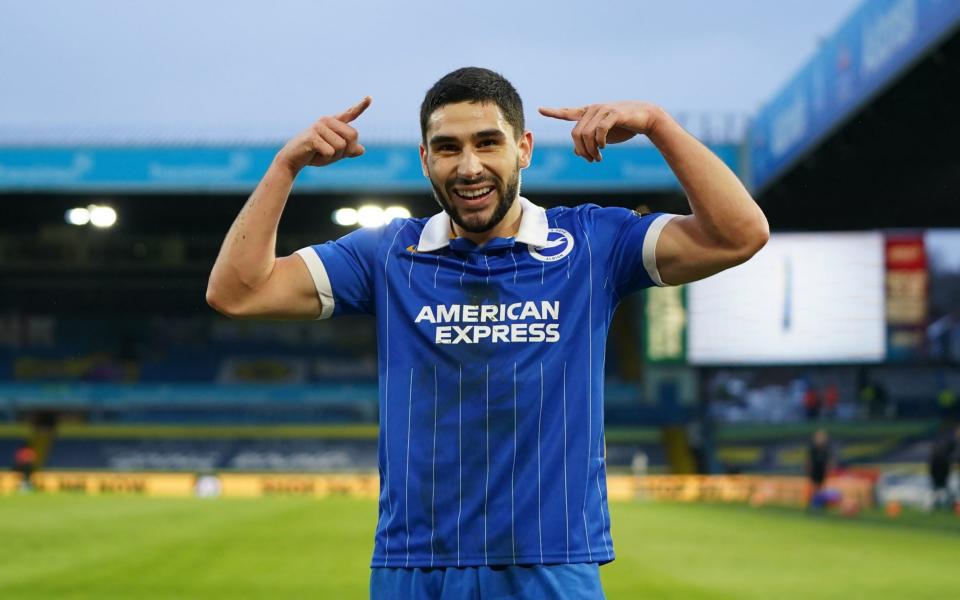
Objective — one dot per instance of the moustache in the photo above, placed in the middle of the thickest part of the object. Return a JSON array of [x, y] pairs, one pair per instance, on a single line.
[[466, 182]]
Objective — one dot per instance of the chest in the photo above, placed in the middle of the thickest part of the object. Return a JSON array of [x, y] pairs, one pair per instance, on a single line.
[[515, 297], [516, 273]]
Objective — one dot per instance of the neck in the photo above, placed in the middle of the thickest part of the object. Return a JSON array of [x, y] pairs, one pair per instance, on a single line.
[[507, 227]]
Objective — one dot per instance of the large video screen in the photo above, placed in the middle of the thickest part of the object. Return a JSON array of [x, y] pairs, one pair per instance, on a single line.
[[805, 298]]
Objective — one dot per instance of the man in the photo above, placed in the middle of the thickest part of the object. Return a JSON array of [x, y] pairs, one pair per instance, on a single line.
[[25, 460], [941, 456], [492, 319], [819, 464]]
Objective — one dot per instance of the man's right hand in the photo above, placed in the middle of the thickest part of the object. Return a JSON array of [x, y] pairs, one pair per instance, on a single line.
[[325, 142]]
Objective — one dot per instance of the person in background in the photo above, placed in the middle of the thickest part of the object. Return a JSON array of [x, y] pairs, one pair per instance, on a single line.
[[941, 455], [811, 403], [831, 398], [874, 397], [819, 464], [947, 403], [25, 460], [956, 440]]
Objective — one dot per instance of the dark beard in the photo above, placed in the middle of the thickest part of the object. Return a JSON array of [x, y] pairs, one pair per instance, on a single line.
[[508, 196]]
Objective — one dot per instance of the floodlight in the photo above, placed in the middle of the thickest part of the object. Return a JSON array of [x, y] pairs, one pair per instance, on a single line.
[[345, 216], [77, 216], [370, 216], [396, 212], [102, 216]]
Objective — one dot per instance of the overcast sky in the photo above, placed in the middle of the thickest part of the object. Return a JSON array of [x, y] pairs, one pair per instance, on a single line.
[[217, 70]]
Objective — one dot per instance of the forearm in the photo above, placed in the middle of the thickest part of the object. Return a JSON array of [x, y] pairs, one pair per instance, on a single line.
[[722, 207], [248, 253], [248, 280]]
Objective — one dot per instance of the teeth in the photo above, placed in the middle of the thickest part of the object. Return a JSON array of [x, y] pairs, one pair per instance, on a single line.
[[474, 193]]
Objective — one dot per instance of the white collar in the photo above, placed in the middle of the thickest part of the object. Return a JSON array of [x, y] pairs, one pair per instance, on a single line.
[[533, 228]]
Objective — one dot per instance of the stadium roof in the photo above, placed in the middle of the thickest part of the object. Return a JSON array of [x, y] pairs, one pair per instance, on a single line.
[[890, 161], [880, 42]]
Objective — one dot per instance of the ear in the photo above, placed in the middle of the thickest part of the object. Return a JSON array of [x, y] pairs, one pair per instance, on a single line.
[[423, 161], [525, 146]]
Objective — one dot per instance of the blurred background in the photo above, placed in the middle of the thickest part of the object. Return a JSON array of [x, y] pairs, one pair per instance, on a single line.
[[131, 135]]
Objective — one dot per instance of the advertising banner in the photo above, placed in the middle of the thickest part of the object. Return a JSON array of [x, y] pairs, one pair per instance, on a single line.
[[907, 286], [383, 167], [758, 490], [665, 324], [9, 482], [133, 484], [755, 489], [317, 486], [181, 485]]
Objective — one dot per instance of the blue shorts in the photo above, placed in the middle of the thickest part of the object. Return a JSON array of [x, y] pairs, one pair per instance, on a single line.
[[576, 581]]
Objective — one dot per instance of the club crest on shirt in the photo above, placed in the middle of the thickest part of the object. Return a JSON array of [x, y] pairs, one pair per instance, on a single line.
[[559, 244]]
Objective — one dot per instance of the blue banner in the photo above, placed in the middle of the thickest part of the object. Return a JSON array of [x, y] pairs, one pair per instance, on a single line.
[[383, 168], [879, 41]]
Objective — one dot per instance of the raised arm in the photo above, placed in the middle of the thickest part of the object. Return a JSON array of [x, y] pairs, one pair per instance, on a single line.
[[726, 227], [248, 280]]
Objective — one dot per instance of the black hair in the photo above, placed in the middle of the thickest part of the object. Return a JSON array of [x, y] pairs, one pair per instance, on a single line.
[[474, 84]]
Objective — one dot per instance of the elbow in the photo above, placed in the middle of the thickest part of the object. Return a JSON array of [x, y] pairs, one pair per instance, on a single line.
[[214, 301], [754, 240], [218, 302], [760, 237], [756, 237]]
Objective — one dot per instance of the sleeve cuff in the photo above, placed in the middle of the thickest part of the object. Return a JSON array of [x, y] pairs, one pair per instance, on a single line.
[[320, 279], [650, 247]]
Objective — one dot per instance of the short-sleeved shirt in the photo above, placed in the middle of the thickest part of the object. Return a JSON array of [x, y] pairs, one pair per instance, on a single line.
[[491, 361]]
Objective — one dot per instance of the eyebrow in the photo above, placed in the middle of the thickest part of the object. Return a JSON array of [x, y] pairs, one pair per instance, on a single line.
[[489, 133], [480, 135]]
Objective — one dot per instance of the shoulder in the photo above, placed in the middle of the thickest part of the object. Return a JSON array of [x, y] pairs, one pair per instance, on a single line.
[[573, 211], [600, 219], [405, 228], [400, 234], [373, 243], [595, 211], [398, 231], [581, 213]]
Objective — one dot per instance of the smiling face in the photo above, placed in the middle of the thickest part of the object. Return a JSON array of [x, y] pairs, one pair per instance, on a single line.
[[473, 158]]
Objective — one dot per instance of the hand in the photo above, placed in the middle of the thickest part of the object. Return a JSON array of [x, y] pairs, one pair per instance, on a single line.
[[325, 142], [600, 124]]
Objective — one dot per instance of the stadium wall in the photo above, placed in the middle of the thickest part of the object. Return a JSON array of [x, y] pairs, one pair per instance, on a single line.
[[756, 490]]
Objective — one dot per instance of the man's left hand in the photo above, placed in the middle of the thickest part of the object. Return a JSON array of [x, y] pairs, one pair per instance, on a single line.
[[607, 123]]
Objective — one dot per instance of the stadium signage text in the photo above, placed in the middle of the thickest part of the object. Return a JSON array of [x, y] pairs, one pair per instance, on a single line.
[[510, 317], [888, 34]]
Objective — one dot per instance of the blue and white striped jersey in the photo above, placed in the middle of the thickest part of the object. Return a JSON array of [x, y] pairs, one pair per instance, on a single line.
[[491, 359]]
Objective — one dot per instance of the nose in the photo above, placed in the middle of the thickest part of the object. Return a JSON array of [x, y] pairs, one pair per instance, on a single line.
[[469, 166]]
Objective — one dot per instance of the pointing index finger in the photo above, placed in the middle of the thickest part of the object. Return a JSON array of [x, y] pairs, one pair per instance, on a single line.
[[566, 114], [355, 111]]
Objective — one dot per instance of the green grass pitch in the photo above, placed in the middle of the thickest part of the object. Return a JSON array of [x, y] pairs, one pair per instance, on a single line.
[[127, 547]]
